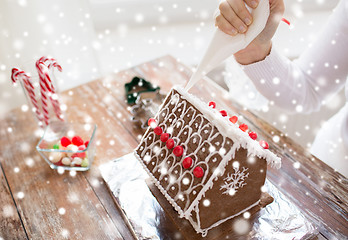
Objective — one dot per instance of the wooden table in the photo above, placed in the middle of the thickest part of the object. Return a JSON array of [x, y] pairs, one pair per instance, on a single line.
[[38, 203]]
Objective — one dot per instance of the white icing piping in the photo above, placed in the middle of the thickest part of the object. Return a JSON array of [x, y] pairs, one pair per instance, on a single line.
[[204, 232], [221, 170], [228, 129], [163, 191], [234, 181]]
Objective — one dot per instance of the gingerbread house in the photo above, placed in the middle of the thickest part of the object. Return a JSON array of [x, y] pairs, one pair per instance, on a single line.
[[208, 167]]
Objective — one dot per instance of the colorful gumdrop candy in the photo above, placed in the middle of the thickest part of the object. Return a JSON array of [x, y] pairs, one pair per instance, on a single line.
[[77, 141], [65, 141], [85, 162], [55, 156], [66, 161], [56, 146], [76, 161], [71, 148]]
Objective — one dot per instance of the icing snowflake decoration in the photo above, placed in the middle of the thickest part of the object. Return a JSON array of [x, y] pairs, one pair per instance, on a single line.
[[235, 181]]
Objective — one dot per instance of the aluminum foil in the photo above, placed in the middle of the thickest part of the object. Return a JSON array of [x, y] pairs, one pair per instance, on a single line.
[[125, 178]]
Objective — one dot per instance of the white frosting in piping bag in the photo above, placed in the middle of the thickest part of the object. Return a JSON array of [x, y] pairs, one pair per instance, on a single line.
[[223, 46]]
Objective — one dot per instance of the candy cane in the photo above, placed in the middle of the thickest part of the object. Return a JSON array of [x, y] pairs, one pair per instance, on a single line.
[[53, 63], [18, 75], [55, 102], [44, 88], [47, 86]]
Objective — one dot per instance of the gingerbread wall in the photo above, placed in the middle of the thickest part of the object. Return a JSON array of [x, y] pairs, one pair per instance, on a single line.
[[246, 178]]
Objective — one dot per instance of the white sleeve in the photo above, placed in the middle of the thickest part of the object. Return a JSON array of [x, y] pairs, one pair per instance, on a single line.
[[320, 72]]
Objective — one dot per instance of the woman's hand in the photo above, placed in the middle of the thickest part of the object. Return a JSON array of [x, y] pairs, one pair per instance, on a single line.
[[234, 18]]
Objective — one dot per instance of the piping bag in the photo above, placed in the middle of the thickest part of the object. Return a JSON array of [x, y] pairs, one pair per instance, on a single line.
[[223, 45]]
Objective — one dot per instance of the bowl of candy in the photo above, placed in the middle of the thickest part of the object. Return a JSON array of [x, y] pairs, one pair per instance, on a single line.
[[68, 146]]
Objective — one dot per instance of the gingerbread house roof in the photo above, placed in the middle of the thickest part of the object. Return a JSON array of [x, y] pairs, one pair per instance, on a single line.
[[228, 129], [201, 130]]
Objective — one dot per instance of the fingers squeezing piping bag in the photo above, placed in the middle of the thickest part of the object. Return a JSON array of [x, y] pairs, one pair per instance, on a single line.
[[223, 46]]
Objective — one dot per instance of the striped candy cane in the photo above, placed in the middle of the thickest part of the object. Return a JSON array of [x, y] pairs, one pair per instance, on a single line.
[[55, 103], [43, 65], [18, 75], [44, 88]]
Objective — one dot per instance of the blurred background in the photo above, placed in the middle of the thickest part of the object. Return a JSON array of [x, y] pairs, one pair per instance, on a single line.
[[93, 38]]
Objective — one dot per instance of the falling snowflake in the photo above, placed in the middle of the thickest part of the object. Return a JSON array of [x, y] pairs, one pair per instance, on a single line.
[[234, 181]]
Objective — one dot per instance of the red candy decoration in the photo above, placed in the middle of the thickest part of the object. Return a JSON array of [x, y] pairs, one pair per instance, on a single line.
[[158, 130], [212, 104], [178, 151], [243, 127], [64, 141], [81, 154], [234, 119], [170, 143], [198, 172], [187, 163], [152, 123], [77, 141], [164, 137], [264, 144], [253, 135], [223, 113], [86, 143]]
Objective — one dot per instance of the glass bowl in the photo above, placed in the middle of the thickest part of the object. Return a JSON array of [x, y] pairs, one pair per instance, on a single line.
[[76, 151]]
